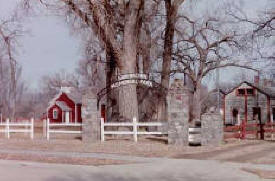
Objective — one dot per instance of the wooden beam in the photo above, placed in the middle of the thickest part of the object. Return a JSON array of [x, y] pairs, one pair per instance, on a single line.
[[268, 110]]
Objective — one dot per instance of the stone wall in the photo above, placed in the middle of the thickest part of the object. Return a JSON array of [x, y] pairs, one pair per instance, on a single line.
[[178, 114], [211, 129], [90, 117]]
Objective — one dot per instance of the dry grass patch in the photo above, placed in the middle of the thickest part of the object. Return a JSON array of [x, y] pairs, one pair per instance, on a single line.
[[61, 160]]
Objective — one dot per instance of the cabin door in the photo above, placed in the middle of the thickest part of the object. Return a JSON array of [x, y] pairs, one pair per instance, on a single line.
[[257, 115], [67, 117]]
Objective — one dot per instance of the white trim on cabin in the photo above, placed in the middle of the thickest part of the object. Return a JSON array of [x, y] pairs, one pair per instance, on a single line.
[[75, 112]]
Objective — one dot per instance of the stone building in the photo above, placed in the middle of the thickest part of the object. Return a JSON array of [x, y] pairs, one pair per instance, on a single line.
[[249, 102]]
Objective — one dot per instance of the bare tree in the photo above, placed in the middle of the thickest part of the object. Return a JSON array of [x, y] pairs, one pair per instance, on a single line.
[[116, 23], [51, 84], [128, 32], [9, 32], [260, 36], [204, 45], [171, 12]]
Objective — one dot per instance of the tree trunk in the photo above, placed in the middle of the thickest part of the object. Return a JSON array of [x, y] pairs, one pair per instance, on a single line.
[[171, 13], [124, 52], [110, 74], [146, 50], [128, 104], [196, 104], [12, 87], [168, 43]]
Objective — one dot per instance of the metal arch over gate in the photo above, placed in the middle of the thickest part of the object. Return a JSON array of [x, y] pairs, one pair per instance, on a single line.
[[124, 79]]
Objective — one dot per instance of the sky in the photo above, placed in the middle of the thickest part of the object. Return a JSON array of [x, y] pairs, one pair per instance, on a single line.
[[49, 46]]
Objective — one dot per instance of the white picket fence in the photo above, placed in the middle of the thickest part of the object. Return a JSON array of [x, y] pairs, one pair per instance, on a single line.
[[15, 127], [49, 131], [133, 124]]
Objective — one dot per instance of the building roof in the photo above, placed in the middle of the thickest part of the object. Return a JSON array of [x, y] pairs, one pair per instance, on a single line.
[[264, 90], [73, 94], [63, 106]]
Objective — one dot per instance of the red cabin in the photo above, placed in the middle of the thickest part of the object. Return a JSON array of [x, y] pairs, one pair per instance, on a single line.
[[65, 107]]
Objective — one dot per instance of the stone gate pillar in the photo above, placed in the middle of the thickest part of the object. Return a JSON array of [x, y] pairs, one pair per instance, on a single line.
[[178, 114], [211, 129], [90, 117]]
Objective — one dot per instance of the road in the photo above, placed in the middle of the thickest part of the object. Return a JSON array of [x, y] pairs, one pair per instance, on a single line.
[[159, 170]]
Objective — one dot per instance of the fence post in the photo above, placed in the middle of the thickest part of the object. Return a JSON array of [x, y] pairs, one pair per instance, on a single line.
[[48, 129], [26, 126], [32, 127], [8, 128], [44, 128], [102, 129], [272, 133], [135, 128], [244, 129], [240, 131]]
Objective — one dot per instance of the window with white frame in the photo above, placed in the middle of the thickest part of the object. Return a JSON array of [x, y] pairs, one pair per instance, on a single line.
[[55, 113]]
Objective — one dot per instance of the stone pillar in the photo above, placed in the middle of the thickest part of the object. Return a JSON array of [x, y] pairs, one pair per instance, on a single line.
[[211, 129], [178, 114], [90, 117]]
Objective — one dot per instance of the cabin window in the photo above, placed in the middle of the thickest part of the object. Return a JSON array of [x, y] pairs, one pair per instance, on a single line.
[[241, 91], [55, 114], [250, 92]]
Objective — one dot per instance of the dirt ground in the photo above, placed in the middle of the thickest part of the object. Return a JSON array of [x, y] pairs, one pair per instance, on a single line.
[[234, 150], [61, 160]]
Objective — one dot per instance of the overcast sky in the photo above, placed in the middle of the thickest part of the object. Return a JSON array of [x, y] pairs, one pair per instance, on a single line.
[[47, 47], [50, 47]]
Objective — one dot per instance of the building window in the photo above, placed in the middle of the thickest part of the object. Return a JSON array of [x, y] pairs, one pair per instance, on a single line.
[[55, 114], [250, 92], [241, 92]]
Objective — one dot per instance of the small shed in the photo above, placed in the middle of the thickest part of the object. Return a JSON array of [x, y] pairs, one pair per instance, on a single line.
[[65, 107]]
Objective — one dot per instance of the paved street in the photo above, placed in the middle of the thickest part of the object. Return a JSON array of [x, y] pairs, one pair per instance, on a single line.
[[162, 169]]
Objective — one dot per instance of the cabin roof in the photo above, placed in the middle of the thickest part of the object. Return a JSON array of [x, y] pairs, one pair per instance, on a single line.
[[74, 95], [63, 106], [270, 92]]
